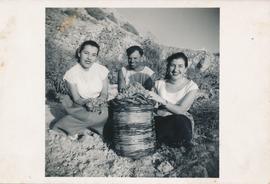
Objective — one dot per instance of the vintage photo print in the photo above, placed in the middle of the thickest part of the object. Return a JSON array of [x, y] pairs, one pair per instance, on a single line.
[[145, 92], [132, 92]]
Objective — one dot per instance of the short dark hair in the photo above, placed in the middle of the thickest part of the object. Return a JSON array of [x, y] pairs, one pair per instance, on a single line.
[[132, 49], [88, 42], [177, 55]]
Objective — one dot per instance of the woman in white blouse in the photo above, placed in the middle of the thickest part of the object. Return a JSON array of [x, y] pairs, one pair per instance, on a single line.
[[85, 80], [175, 94]]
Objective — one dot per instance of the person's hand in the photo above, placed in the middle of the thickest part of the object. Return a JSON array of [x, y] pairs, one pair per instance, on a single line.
[[101, 100], [156, 97]]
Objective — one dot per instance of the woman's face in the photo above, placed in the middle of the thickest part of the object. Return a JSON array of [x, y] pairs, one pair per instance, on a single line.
[[88, 56], [135, 60], [177, 69]]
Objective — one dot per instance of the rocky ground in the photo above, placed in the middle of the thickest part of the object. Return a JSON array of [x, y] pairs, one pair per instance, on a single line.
[[90, 156]]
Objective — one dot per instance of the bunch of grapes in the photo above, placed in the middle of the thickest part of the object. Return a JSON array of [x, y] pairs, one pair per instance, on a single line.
[[96, 104], [133, 94]]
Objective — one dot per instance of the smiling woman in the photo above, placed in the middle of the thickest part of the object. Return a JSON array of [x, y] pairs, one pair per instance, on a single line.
[[88, 56], [175, 94], [87, 82]]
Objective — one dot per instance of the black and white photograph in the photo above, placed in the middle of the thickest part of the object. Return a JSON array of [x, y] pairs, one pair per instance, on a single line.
[[132, 92]]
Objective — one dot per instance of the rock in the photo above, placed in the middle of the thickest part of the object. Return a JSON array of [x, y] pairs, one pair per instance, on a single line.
[[165, 167], [211, 148]]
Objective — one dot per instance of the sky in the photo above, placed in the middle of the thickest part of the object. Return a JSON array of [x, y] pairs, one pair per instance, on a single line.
[[192, 28]]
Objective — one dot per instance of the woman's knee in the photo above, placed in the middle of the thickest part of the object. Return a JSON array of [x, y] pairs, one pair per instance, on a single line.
[[105, 112], [59, 122], [103, 115], [64, 121]]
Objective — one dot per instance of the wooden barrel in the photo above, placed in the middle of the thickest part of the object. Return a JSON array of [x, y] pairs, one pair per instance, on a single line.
[[133, 130]]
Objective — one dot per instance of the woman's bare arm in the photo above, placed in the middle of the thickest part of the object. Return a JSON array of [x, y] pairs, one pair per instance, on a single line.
[[104, 91], [181, 107]]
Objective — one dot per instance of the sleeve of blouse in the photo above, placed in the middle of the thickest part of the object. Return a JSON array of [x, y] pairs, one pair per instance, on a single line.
[[193, 86], [150, 72], [69, 77], [104, 72]]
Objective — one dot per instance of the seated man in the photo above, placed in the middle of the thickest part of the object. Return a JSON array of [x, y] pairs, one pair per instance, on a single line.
[[135, 71]]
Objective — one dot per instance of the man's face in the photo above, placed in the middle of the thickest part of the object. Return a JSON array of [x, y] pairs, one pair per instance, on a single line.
[[135, 60]]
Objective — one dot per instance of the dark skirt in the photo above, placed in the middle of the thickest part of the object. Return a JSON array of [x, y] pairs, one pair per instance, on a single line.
[[174, 130], [78, 119]]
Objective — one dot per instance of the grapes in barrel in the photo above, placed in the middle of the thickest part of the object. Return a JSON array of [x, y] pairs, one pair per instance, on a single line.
[[133, 94]]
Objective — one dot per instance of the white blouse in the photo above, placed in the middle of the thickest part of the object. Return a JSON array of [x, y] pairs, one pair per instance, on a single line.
[[174, 97], [89, 82]]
